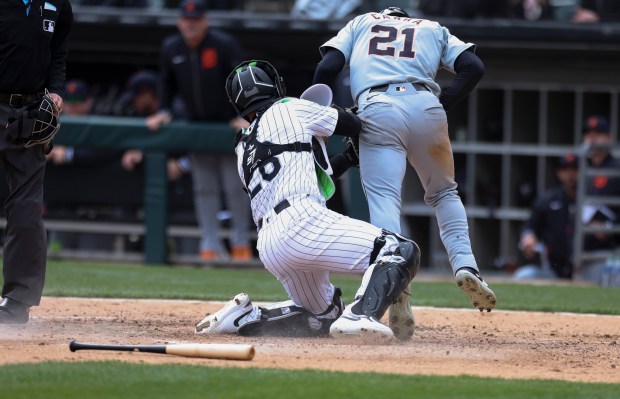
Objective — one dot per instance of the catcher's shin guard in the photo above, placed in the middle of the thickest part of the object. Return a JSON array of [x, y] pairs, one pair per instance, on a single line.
[[285, 319], [387, 278]]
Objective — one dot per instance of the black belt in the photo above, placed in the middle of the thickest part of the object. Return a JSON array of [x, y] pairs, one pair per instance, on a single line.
[[277, 209], [384, 88], [17, 100]]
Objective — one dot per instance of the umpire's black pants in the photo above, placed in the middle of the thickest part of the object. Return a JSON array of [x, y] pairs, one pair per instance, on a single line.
[[25, 244]]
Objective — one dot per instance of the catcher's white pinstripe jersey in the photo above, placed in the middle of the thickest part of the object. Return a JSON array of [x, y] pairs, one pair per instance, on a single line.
[[288, 121], [302, 243]]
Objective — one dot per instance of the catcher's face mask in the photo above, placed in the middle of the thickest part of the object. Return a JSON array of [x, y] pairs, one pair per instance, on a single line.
[[252, 85], [46, 122]]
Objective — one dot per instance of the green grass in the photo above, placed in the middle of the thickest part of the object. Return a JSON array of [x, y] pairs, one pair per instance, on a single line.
[[122, 380], [139, 281]]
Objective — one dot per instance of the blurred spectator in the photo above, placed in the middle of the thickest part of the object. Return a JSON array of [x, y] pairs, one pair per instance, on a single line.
[[547, 236], [115, 3], [592, 11], [466, 8], [79, 101], [141, 100], [325, 9], [563, 10], [596, 131], [194, 65], [531, 10], [213, 4]]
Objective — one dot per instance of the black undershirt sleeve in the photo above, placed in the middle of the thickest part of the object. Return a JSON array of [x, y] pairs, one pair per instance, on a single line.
[[330, 66], [348, 124], [469, 70]]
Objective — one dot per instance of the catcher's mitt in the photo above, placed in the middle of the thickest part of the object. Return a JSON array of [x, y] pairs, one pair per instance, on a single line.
[[352, 151]]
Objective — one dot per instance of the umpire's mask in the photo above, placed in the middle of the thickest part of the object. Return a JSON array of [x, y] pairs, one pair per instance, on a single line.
[[46, 122]]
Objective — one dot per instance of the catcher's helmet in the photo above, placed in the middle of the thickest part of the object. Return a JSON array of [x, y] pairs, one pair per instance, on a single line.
[[395, 11], [253, 85]]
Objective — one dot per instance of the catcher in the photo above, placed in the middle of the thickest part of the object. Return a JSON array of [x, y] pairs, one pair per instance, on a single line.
[[284, 167]]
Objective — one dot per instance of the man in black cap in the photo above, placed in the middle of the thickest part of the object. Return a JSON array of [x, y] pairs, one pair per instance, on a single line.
[[194, 65], [140, 97], [141, 100], [78, 101], [547, 236], [597, 133]]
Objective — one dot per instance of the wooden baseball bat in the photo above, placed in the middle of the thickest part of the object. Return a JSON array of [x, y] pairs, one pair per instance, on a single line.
[[209, 351]]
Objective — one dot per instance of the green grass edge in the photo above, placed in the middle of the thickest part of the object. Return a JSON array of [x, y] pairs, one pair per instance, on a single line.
[[56, 380]]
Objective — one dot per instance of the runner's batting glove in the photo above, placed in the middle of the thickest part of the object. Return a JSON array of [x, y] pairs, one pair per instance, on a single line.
[[352, 110]]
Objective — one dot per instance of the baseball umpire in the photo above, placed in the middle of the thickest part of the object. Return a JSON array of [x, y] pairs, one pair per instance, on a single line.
[[393, 62], [300, 241], [33, 52]]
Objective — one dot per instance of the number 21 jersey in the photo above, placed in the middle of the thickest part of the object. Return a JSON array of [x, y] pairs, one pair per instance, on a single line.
[[383, 49]]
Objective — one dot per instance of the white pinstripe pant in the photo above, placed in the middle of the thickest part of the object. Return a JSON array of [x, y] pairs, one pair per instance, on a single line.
[[305, 242]]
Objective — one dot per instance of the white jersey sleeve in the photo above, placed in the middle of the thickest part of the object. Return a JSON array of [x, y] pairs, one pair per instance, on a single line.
[[318, 120], [382, 49], [452, 48]]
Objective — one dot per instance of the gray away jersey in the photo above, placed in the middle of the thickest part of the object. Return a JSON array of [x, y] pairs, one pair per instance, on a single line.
[[385, 49], [291, 173]]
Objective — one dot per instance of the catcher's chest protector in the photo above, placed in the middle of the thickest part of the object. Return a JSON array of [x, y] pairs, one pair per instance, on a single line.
[[257, 153]]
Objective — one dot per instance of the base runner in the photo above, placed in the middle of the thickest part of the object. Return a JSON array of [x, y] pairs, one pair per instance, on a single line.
[[393, 60], [288, 177]]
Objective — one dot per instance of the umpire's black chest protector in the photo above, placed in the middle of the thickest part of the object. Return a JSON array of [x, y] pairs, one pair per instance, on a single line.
[[258, 154]]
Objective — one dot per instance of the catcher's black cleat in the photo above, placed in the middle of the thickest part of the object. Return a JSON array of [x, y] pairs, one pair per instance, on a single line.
[[469, 281]]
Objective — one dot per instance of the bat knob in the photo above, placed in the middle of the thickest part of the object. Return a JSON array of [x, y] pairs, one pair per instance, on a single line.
[[72, 346]]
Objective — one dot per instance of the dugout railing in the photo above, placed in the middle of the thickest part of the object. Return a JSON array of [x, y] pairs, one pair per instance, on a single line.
[[154, 209]]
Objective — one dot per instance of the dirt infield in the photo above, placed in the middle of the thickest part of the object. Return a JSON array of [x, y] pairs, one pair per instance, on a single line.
[[446, 342]]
